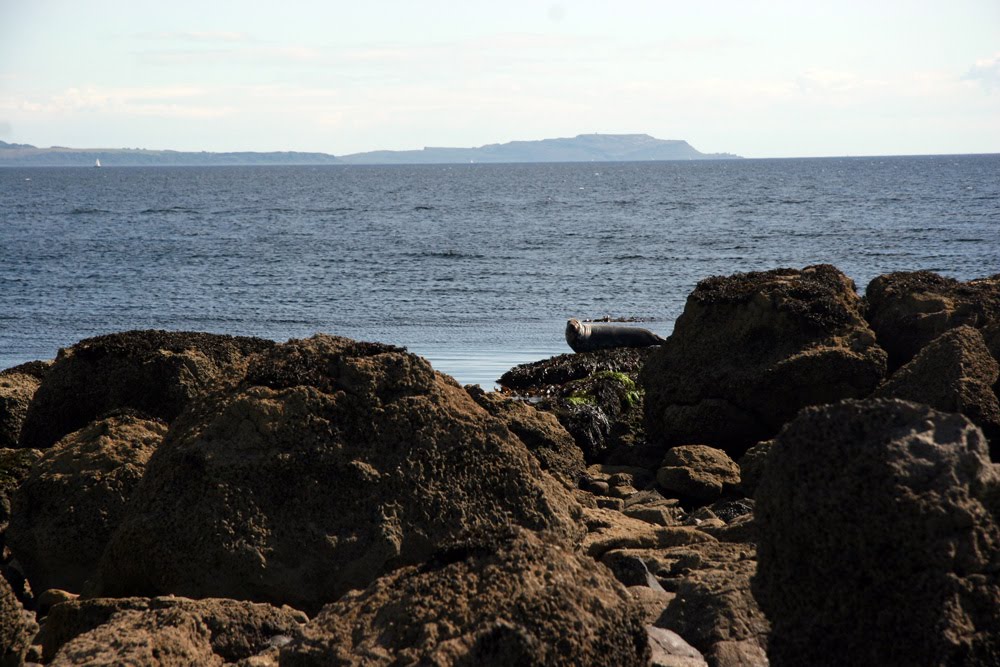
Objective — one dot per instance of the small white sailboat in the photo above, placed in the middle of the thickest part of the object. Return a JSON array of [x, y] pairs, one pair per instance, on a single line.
[[97, 162]]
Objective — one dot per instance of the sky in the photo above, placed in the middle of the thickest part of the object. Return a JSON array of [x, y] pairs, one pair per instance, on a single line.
[[760, 79]]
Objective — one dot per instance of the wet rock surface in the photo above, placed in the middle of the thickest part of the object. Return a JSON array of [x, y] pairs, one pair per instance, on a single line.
[[752, 349], [878, 539]]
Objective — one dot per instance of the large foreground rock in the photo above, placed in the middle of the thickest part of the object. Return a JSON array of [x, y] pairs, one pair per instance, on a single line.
[[752, 349], [153, 372], [909, 309], [506, 599], [333, 463], [878, 540], [74, 496], [236, 629]]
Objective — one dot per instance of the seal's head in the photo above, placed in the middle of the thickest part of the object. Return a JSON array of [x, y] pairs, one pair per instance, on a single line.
[[575, 332]]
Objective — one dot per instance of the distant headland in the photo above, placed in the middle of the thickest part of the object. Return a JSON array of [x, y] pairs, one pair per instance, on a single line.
[[582, 148]]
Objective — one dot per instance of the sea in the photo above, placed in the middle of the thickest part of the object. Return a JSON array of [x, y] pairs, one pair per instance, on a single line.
[[476, 267]]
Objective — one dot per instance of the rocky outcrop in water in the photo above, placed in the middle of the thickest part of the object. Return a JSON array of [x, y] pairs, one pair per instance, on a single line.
[[750, 350], [601, 510]]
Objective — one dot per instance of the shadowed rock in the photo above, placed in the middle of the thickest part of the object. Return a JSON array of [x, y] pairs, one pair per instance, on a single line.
[[907, 310], [153, 372], [17, 627], [333, 463], [68, 505], [16, 392], [14, 467], [237, 629], [505, 599], [878, 539], [954, 373], [752, 349]]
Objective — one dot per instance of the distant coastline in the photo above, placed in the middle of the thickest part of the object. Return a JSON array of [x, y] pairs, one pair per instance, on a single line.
[[582, 148]]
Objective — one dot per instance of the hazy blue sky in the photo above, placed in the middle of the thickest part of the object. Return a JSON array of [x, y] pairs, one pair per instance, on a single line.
[[762, 79]]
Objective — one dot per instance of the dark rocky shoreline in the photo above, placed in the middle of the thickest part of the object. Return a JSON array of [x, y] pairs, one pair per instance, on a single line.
[[798, 476]]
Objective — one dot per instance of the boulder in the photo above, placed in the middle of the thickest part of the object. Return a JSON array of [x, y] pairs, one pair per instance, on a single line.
[[540, 432], [74, 496], [16, 392], [161, 638], [14, 467], [697, 472], [909, 309], [156, 373], [332, 463], [750, 350], [953, 373], [236, 629], [670, 650], [877, 539], [17, 627], [510, 598]]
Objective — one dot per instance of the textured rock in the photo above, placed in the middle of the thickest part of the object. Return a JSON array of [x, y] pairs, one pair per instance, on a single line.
[[608, 530], [237, 629], [878, 541], [161, 638], [752, 465], [14, 467], [541, 433], [334, 462], [907, 310], [670, 650], [17, 627], [540, 376], [511, 599], [68, 505], [752, 349], [156, 373], [714, 608], [953, 373], [697, 472], [16, 391]]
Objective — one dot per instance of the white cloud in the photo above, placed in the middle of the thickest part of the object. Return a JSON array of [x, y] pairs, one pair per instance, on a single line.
[[986, 71], [167, 101]]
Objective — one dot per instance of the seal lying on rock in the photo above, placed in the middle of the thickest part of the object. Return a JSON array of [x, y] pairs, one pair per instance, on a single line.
[[587, 337]]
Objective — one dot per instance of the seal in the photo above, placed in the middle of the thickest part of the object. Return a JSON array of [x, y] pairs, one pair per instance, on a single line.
[[587, 336]]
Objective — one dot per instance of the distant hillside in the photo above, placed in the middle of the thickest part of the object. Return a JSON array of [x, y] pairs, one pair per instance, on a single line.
[[23, 155], [582, 148]]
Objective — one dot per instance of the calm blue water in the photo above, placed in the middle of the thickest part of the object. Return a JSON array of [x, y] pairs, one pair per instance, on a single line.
[[476, 267]]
